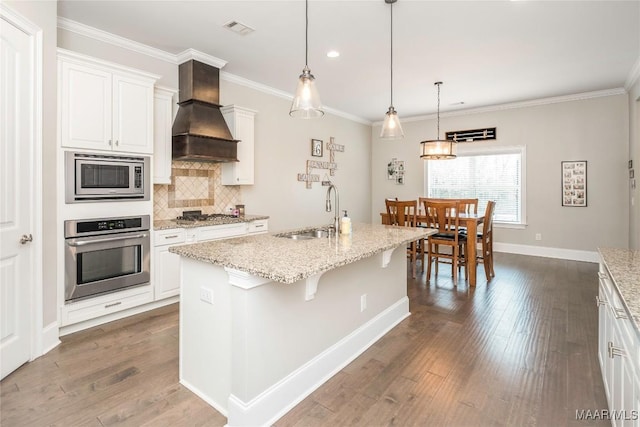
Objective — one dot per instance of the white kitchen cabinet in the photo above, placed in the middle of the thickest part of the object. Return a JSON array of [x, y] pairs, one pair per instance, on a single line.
[[104, 106], [163, 113], [103, 305], [241, 124], [618, 347], [165, 265], [259, 226]]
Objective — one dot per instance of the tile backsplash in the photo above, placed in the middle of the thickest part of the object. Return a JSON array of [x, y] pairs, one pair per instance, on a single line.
[[194, 185]]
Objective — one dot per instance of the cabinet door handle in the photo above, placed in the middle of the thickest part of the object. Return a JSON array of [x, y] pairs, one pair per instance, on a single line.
[[110, 143], [120, 302], [614, 351], [173, 236], [600, 302], [619, 313], [259, 226], [117, 142]]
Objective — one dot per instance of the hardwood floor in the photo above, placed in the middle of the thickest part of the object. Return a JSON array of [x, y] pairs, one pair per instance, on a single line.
[[518, 351]]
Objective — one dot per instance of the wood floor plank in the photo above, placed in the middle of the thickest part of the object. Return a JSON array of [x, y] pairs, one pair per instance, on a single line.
[[520, 350]]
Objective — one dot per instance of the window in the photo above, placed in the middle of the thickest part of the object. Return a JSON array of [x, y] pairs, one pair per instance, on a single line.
[[486, 174]]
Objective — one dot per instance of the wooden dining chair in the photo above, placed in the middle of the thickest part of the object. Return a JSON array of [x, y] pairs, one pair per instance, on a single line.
[[444, 215], [485, 238], [391, 211], [468, 206], [404, 213]]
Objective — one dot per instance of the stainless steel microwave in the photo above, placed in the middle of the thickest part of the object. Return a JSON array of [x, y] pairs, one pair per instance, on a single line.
[[102, 178]]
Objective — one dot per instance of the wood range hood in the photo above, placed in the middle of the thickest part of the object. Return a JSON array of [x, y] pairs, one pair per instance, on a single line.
[[199, 132]]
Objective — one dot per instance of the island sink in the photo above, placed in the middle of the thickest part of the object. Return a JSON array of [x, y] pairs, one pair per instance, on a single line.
[[316, 233]]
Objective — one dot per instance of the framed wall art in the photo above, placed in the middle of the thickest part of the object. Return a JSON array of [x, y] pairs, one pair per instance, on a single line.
[[395, 171], [574, 183], [316, 148]]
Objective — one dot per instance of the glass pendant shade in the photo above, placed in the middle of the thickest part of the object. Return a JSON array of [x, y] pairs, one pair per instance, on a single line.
[[306, 102], [391, 128], [437, 149]]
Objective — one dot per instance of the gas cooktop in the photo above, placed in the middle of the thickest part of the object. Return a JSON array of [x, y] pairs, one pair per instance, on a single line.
[[199, 216]]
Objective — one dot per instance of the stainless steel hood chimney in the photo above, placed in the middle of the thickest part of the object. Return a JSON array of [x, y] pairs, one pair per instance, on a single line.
[[199, 131]]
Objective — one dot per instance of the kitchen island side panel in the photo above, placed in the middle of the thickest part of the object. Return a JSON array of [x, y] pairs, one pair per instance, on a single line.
[[277, 331], [205, 332]]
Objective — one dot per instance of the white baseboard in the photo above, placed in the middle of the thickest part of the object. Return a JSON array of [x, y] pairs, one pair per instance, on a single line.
[[559, 253], [50, 338], [276, 401]]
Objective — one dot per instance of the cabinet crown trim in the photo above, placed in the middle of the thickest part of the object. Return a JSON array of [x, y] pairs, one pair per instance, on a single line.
[[70, 56]]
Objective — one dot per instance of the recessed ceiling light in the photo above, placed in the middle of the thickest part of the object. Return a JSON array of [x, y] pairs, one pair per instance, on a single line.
[[333, 54]]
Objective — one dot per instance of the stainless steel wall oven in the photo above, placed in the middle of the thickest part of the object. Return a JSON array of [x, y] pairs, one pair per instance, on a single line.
[[105, 255]]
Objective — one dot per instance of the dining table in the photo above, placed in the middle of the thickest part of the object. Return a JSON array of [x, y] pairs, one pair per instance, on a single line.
[[469, 220]]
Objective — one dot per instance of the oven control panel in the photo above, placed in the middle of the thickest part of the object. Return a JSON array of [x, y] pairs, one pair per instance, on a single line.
[[105, 225]]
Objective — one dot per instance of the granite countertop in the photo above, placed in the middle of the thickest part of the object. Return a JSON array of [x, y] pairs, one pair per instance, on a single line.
[[288, 261], [164, 224], [624, 268]]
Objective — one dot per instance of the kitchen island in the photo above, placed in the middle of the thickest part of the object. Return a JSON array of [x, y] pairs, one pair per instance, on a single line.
[[265, 320]]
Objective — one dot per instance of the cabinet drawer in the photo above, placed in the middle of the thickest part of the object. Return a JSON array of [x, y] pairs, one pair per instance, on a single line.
[[259, 226], [220, 232], [172, 236], [100, 306]]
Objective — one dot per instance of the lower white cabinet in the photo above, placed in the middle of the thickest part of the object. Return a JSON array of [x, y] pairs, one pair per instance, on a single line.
[[165, 266], [165, 270], [103, 305], [618, 349]]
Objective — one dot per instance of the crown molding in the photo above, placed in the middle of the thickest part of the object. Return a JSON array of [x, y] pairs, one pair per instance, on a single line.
[[285, 95], [190, 54], [634, 76], [96, 34], [514, 105]]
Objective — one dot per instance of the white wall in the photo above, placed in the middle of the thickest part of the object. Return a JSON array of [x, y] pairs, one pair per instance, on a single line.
[[44, 15], [595, 130]]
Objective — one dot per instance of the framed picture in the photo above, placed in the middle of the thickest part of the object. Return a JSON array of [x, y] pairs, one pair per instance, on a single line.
[[574, 183], [395, 171], [316, 148]]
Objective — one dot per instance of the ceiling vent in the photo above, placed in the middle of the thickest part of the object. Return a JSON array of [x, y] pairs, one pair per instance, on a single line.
[[484, 134], [238, 27]]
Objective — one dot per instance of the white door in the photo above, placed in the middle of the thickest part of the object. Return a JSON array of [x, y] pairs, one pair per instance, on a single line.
[[16, 186]]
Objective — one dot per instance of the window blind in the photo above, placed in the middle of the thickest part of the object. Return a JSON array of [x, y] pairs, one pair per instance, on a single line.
[[491, 176]]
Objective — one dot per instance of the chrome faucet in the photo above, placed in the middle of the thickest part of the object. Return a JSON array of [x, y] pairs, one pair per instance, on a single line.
[[336, 221]]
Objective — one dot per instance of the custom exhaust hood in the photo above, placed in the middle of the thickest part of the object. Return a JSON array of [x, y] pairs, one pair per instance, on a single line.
[[199, 132]]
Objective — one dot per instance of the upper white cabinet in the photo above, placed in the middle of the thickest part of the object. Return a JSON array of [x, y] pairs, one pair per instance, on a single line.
[[104, 106], [163, 112], [241, 124]]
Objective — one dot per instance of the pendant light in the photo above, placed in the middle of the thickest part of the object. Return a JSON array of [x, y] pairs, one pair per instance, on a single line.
[[438, 149], [306, 102], [391, 128]]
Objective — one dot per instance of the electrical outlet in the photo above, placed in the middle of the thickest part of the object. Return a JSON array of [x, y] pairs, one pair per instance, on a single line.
[[363, 302], [206, 295], [538, 236]]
